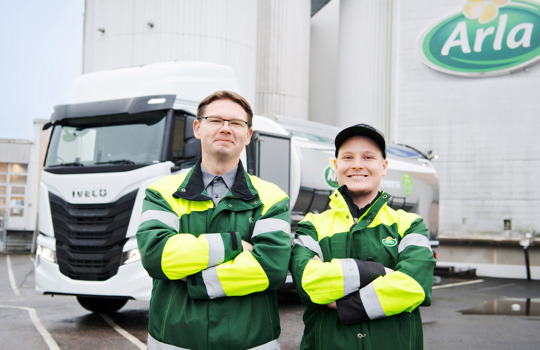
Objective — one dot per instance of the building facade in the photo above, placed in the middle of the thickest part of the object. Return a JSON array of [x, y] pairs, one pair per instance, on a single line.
[[20, 165]]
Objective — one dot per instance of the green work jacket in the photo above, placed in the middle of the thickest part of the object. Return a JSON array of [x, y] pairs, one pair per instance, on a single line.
[[374, 310], [207, 292]]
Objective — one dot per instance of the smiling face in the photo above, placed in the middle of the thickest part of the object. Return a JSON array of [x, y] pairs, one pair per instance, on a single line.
[[360, 165], [222, 143]]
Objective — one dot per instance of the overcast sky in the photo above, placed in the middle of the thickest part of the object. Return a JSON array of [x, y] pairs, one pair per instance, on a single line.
[[40, 53]]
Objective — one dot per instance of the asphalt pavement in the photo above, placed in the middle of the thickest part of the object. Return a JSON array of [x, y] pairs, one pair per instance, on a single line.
[[483, 313], [467, 312]]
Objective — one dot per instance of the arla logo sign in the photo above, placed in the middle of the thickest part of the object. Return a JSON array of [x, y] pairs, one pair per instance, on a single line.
[[330, 177], [488, 37]]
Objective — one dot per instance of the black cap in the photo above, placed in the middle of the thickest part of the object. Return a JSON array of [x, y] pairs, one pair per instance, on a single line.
[[361, 130]]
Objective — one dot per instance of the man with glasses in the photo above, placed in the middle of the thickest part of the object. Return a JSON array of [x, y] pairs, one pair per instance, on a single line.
[[216, 241]]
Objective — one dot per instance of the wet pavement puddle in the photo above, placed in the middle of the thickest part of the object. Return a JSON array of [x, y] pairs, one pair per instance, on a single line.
[[507, 307]]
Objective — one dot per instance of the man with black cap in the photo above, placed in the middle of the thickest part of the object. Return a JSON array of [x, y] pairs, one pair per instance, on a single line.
[[362, 268]]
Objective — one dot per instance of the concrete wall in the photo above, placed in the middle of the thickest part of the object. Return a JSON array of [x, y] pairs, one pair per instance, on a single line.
[[324, 53], [502, 258], [266, 42], [15, 151], [485, 131], [351, 63], [282, 81], [126, 33]]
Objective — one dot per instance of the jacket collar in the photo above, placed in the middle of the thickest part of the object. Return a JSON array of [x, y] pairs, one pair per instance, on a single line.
[[341, 200], [193, 186]]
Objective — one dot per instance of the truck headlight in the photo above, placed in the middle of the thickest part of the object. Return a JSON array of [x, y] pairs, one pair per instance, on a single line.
[[131, 256], [45, 253]]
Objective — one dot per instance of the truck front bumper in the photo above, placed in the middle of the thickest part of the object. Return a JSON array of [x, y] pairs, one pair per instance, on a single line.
[[131, 281]]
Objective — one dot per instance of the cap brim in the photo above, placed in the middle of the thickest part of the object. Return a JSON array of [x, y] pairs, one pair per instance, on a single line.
[[361, 130]]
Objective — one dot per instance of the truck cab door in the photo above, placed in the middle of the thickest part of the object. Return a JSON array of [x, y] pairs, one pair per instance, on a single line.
[[185, 149], [269, 157]]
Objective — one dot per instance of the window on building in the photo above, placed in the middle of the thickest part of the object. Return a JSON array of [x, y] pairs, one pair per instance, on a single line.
[[13, 180], [17, 212], [17, 179], [16, 190], [2, 210], [2, 216], [19, 168]]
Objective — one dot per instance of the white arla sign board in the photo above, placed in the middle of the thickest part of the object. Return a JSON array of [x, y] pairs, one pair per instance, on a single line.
[[485, 38]]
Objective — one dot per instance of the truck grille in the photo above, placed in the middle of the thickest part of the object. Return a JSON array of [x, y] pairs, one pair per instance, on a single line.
[[90, 237]]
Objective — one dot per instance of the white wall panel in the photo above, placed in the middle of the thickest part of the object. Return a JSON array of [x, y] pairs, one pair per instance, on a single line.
[[283, 57], [144, 31], [323, 67], [485, 131], [365, 63]]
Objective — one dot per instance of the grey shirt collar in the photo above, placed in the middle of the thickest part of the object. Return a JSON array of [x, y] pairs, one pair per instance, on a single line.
[[228, 178]]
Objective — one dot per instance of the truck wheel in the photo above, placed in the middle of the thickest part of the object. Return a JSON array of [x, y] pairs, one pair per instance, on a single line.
[[102, 305]]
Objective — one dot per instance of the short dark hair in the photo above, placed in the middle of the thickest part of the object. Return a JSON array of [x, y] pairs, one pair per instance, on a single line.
[[226, 95]]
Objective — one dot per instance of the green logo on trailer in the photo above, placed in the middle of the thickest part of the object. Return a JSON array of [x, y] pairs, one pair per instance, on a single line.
[[407, 185], [488, 38], [330, 177]]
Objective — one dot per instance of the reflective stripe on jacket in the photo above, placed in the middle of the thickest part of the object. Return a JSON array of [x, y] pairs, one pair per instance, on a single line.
[[384, 313], [228, 300]]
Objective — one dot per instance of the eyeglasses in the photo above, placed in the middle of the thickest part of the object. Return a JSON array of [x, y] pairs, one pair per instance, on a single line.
[[219, 122]]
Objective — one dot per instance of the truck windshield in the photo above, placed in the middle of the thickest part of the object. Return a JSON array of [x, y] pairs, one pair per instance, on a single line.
[[107, 140]]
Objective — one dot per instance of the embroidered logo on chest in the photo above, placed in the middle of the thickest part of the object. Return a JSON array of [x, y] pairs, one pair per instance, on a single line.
[[389, 241]]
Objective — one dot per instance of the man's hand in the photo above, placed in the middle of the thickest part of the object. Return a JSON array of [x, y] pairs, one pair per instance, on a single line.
[[246, 245], [387, 270]]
